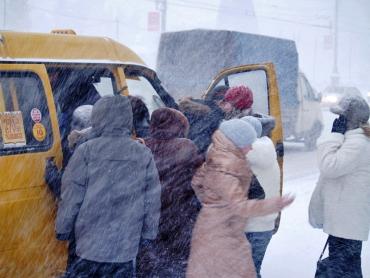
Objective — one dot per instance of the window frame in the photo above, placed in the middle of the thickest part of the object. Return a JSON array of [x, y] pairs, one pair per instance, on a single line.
[[41, 90], [227, 81], [151, 76]]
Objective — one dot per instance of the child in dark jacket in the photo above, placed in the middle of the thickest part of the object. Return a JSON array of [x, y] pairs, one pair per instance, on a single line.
[[81, 119]]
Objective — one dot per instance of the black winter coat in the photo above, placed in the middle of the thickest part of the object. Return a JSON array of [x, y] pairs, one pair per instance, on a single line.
[[204, 118]]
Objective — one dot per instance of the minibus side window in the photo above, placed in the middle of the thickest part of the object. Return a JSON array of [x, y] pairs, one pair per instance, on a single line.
[[307, 89], [24, 115], [140, 87], [76, 86]]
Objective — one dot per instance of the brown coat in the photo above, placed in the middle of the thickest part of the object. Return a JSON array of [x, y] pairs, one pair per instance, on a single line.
[[219, 247], [176, 159]]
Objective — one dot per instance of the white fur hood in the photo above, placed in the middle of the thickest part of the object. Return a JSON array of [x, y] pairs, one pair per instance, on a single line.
[[264, 165], [263, 154]]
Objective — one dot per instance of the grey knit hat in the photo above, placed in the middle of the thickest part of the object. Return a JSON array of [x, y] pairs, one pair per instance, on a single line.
[[353, 107], [239, 132], [81, 117], [255, 122]]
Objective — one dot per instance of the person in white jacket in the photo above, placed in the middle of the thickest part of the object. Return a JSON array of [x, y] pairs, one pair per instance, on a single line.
[[340, 203], [265, 167]]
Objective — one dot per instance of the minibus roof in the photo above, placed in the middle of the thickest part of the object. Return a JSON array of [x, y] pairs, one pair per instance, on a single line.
[[42, 47]]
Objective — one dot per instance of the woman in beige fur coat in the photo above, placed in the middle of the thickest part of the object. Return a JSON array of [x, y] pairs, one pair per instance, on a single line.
[[219, 247]]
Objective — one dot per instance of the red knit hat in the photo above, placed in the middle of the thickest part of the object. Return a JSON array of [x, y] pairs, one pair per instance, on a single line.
[[241, 97]]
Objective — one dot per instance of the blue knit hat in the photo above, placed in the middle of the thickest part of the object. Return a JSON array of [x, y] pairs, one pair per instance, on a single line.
[[239, 132], [255, 122]]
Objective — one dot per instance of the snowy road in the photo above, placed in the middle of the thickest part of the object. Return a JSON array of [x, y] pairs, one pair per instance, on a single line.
[[294, 250]]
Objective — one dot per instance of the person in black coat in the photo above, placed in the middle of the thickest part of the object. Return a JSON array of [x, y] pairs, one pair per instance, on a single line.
[[204, 116], [141, 116]]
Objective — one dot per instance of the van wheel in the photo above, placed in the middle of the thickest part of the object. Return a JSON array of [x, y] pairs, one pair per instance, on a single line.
[[311, 136]]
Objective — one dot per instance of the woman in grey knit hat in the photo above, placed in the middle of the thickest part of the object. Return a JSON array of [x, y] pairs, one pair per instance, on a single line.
[[219, 247], [340, 203]]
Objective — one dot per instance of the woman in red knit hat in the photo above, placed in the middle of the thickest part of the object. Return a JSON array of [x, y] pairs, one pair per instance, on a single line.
[[237, 102]]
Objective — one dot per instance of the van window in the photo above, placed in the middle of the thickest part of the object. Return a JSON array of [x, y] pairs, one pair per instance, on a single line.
[[73, 87], [256, 80], [104, 86], [306, 89], [24, 115], [75, 83], [140, 87]]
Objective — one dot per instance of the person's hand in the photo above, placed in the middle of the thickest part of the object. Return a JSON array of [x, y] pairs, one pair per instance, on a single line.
[[145, 243], [279, 203], [51, 169], [63, 237], [73, 138], [140, 140], [255, 208], [340, 125], [50, 163], [186, 98]]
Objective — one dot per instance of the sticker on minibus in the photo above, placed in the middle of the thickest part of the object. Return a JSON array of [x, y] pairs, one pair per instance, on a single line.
[[36, 115], [12, 129], [39, 132]]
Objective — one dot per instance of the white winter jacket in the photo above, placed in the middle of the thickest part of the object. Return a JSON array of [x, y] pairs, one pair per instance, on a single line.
[[264, 165], [340, 203]]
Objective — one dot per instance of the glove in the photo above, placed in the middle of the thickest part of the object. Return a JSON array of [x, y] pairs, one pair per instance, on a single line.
[[51, 170], [63, 236], [53, 177], [340, 125], [145, 242]]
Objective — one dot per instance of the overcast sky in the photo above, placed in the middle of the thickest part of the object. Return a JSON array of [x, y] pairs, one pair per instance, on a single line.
[[307, 22]]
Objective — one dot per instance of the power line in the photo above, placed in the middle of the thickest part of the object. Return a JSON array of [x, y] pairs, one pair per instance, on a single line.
[[200, 5], [110, 21], [234, 11], [68, 15]]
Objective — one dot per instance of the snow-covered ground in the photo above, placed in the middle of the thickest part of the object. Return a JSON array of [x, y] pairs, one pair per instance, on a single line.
[[294, 250]]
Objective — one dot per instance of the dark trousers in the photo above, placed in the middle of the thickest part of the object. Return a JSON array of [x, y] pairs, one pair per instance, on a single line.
[[344, 258], [259, 242], [89, 269], [71, 252]]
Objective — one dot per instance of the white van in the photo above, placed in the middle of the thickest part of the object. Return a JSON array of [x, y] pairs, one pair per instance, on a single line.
[[304, 122]]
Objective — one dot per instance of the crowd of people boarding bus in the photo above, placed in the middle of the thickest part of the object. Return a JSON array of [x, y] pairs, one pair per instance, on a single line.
[[192, 191]]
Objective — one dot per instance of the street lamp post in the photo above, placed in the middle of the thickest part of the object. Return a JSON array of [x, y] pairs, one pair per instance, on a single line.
[[335, 73], [161, 6]]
